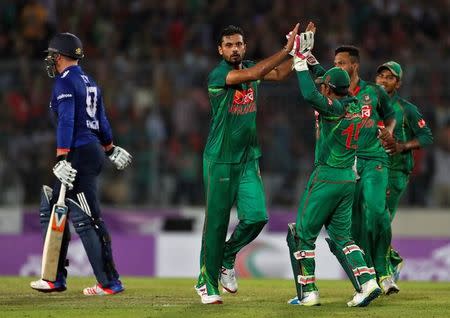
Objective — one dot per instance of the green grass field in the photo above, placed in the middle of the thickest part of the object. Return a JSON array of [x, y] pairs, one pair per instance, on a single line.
[[148, 297]]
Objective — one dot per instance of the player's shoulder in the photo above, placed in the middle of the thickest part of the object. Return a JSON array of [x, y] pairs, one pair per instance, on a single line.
[[222, 65], [64, 81], [407, 105], [374, 86], [248, 63], [349, 103], [217, 75], [68, 76]]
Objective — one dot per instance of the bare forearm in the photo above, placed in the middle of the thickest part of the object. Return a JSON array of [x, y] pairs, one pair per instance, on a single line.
[[258, 71], [410, 145], [280, 72]]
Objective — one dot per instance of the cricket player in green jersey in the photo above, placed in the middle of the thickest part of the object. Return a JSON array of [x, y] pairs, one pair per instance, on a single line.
[[411, 132], [230, 162], [328, 197], [371, 226]]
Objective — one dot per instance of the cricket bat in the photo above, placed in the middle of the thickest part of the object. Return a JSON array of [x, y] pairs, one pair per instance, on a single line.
[[53, 238]]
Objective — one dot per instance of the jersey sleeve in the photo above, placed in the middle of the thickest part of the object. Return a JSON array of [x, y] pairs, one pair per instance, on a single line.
[[418, 125], [323, 105], [385, 108], [217, 78], [65, 105], [317, 70], [105, 132]]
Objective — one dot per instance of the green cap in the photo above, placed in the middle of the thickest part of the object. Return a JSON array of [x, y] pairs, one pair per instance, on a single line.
[[392, 66], [336, 78]]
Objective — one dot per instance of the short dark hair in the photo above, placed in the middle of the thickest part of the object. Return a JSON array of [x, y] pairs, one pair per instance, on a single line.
[[230, 30], [353, 51]]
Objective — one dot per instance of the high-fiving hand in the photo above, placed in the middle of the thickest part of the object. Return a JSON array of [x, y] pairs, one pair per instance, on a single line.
[[304, 41], [291, 39]]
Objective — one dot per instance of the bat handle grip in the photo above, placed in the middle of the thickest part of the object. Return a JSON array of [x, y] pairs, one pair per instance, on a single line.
[[62, 195]]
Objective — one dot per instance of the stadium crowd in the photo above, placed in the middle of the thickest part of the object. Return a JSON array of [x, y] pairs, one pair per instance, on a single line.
[[152, 58]]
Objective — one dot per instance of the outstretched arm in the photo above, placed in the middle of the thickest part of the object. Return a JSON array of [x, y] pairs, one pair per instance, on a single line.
[[279, 72], [262, 68]]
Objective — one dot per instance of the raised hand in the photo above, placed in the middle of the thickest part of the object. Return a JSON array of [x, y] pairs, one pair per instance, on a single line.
[[291, 39], [303, 42], [311, 27]]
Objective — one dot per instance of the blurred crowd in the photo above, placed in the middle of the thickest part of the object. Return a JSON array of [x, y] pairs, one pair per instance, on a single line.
[[151, 59]]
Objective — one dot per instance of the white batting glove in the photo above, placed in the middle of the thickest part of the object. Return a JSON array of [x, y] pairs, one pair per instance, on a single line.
[[300, 63], [120, 157], [65, 173], [303, 42]]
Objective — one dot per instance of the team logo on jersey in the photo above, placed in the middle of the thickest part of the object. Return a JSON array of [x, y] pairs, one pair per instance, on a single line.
[[366, 99], [421, 123], [243, 97], [366, 111]]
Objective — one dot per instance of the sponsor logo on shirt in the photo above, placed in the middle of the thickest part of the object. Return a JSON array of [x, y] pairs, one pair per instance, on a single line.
[[421, 123], [366, 111], [243, 97], [61, 96], [243, 102]]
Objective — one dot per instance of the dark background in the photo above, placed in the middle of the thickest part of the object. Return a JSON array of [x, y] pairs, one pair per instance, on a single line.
[[151, 59]]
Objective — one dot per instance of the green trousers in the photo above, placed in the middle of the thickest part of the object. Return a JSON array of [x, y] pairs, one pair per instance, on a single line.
[[225, 186], [397, 183], [327, 201], [371, 226]]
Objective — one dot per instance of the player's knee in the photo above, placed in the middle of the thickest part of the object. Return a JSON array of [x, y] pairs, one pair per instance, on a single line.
[[81, 221]]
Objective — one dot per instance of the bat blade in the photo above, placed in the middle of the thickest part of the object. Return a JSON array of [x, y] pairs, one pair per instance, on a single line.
[[53, 240]]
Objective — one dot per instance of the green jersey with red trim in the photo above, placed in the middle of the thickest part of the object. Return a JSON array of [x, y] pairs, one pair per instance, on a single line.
[[336, 119], [375, 109], [410, 125], [232, 136]]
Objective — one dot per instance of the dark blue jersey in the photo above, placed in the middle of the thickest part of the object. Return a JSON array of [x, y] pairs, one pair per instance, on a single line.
[[78, 105]]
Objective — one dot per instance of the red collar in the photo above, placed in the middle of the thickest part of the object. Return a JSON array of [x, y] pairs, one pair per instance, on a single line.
[[356, 91]]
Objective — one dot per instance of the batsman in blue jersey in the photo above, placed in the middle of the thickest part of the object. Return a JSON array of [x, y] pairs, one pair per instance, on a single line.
[[83, 137]]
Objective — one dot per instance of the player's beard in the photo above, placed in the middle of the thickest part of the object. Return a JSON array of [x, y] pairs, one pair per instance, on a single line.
[[235, 59]]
